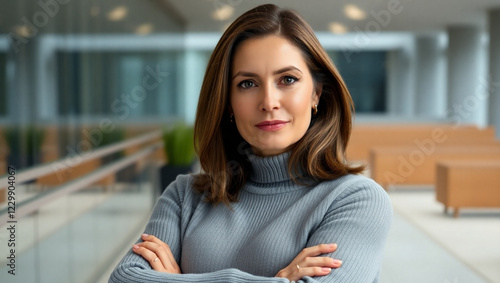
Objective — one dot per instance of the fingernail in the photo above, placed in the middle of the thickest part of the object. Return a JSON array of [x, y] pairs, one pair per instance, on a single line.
[[326, 269], [337, 261], [333, 246], [135, 247], [145, 235]]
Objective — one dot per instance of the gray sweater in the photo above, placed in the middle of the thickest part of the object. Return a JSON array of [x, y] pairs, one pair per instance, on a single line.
[[266, 229]]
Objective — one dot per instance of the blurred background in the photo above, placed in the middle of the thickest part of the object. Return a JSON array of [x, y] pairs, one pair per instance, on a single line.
[[98, 99]]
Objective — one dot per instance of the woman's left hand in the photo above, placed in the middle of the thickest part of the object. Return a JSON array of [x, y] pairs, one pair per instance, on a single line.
[[157, 253]]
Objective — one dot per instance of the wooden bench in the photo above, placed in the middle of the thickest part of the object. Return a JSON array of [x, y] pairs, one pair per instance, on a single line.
[[412, 166], [470, 183], [364, 137]]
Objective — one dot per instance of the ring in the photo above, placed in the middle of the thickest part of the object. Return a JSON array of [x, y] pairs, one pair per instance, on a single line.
[[156, 259], [298, 267]]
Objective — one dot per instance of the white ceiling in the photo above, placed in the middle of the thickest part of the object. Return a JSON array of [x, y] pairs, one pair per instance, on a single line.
[[415, 15], [166, 16]]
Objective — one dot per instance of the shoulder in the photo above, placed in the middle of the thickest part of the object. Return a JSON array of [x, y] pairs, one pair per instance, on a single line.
[[350, 185], [358, 193], [181, 189]]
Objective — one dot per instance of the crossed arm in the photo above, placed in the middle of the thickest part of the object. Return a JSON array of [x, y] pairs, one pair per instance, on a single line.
[[364, 213], [307, 263]]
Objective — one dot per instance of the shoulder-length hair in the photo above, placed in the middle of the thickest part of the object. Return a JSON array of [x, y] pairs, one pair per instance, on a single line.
[[320, 153]]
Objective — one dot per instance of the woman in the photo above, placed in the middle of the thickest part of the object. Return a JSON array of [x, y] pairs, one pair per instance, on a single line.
[[276, 197]]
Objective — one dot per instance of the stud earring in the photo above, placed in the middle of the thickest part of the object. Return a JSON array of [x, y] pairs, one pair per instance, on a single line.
[[231, 117], [315, 109]]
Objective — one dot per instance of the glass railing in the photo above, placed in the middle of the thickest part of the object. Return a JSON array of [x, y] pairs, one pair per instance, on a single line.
[[74, 231]]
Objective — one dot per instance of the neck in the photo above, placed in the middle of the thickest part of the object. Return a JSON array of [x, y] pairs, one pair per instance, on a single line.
[[269, 169]]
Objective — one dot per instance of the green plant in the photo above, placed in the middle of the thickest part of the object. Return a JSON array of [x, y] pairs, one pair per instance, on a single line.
[[108, 138], [117, 135], [178, 143], [32, 136], [25, 144]]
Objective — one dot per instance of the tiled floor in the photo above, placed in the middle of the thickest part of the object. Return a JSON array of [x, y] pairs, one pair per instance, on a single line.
[[472, 239], [412, 257]]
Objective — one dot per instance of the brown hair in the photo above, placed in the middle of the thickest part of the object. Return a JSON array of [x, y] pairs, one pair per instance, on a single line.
[[320, 153]]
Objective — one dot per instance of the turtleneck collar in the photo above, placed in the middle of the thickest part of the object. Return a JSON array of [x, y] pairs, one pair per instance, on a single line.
[[269, 169]]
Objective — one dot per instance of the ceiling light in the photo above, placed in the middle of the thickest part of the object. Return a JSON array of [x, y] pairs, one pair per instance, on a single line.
[[337, 28], [223, 13], [144, 29], [23, 31], [118, 14], [353, 12]]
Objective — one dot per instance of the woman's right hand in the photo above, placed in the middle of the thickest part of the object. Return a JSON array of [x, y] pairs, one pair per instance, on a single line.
[[308, 263]]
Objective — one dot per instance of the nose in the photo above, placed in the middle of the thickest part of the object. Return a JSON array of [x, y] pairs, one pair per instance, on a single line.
[[270, 99]]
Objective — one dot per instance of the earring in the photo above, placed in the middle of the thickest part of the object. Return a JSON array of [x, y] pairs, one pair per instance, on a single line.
[[315, 109], [231, 117]]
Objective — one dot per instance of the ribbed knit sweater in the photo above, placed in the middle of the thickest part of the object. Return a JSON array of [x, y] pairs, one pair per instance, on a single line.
[[266, 229]]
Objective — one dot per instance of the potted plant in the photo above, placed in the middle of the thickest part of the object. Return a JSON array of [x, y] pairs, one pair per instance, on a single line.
[[25, 143], [178, 144], [128, 173], [108, 138]]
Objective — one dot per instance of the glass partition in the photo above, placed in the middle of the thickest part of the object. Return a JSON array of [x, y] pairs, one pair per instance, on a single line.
[[76, 237]]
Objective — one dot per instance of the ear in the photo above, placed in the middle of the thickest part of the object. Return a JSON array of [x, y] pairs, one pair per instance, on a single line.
[[317, 94]]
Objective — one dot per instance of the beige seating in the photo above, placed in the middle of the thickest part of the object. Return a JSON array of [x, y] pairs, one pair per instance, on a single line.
[[410, 165], [468, 183], [364, 137]]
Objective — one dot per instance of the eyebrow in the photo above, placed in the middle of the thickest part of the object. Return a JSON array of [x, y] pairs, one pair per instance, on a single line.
[[282, 70]]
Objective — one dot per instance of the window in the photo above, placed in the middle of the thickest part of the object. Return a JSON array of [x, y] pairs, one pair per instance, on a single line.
[[123, 85], [365, 76]]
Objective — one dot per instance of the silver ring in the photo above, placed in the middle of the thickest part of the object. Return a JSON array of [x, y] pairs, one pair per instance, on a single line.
[[156, 259], [298, 267]]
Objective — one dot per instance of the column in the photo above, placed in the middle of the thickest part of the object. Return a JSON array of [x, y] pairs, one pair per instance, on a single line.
[[430, 86], [21, 76], [195, 64], [494, 70], [400, 83], [466, 76]]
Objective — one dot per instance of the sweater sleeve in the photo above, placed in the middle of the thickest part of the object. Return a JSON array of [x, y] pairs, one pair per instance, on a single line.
[[358, 220], [166, 223]]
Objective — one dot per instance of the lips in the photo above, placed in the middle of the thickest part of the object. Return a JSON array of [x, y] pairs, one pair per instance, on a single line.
[[271, 125]]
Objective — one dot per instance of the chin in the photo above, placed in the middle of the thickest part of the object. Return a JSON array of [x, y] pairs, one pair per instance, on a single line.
[[272, 150]]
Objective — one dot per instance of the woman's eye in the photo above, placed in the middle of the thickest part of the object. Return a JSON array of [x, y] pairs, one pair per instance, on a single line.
[[246, 84], [288, 80]]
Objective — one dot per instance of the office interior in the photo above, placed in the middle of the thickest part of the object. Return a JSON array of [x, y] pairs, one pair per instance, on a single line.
[[89, 91]]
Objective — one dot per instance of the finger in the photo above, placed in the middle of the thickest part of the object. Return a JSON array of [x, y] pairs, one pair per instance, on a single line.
[[318, 249], [320, 262], [295, 273], [151, 238], [311, 271], [150, 256], [162, 253]]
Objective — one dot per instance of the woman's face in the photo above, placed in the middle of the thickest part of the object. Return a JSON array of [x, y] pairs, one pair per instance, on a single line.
[[272, 94]]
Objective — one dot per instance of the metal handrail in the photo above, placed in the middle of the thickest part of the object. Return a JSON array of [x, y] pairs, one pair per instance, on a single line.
[[52, 167], [33, 204]]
